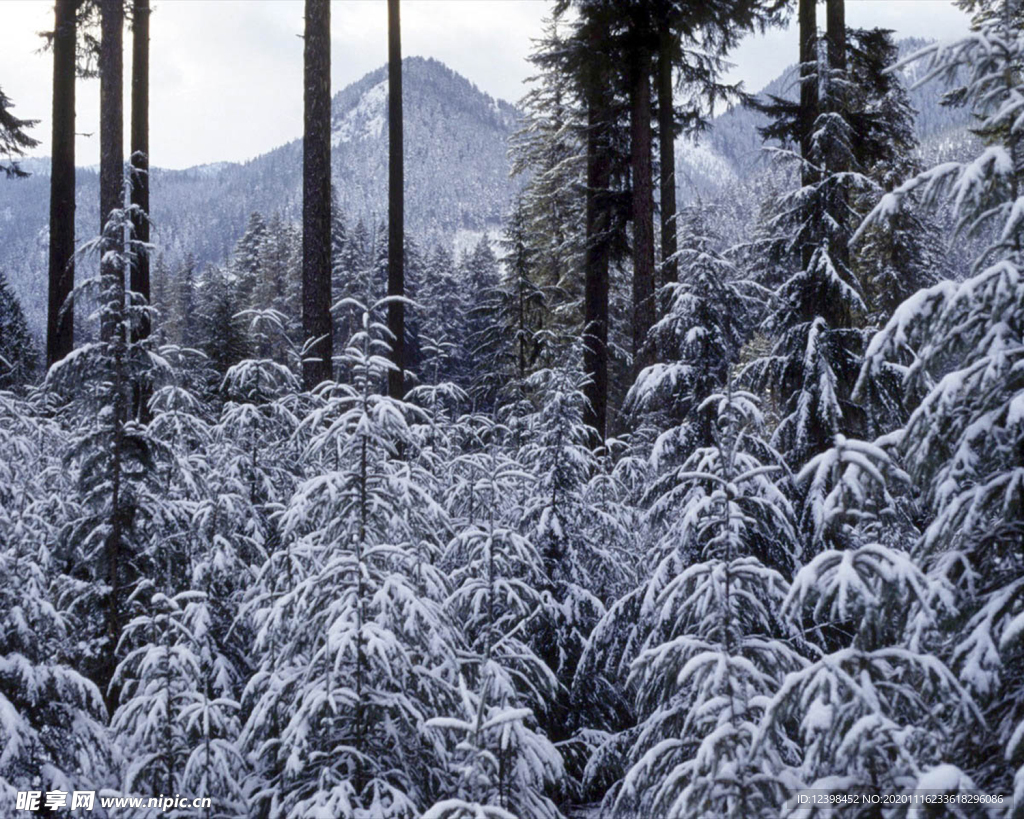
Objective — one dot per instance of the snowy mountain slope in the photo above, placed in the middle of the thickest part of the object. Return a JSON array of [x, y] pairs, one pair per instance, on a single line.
[[457, 179], [457, 183], [456, 142], [733, 149]]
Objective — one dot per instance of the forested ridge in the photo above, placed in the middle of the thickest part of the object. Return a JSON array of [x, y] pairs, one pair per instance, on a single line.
[[203, 211], [619, 514]]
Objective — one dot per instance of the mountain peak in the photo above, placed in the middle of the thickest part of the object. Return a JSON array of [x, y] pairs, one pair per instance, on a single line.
[[456, 179], [359, 111]]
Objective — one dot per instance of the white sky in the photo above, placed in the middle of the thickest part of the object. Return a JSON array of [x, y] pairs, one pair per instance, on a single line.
[[226, 75]]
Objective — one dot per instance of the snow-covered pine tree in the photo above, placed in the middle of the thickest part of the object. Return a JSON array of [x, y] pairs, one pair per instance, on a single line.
[[221, 332], [277, 285], [511, 316], [704, 646], [503, 765], [352, 273], [478, 274], [161, 300], [260, 411], [115, 458], [956, 349], [613, 518], [373, 279], [435, 434], [178, 720], [709, 311], [580, 570], [814, 319], [18, 352], [243, 268], [182, 327], [360, 249], [862, 139], [52, 717], [503, 760], [339, 249], [479, 440], [899, 256], [442, 307], [182, 419], [231, 534], [586, 552], [13, 139], [548, 150], [875, 710], [245, 261], [356, 650]]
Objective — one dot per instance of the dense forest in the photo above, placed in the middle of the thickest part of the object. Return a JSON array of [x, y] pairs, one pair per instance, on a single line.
[[632, 508]]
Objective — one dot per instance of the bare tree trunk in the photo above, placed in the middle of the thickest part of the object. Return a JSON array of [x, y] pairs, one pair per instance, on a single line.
[[835, 21], [643, 209], [595, 294], [808, 96], [60, 319], [808, 86], [396, 202], [140, 155], [667, 153], [111, 159], [139, 276], [316, 196], [112, 295]]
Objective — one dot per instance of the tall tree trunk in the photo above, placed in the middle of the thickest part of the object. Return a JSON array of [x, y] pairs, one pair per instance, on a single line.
[[667, 154], [643, 208], [396, 202], [60, 318], [316, 196], [111, 159], [835, 21], [595, 293], [139, 276], [808, 97], [808, 84], [140, 155], [112, 330]]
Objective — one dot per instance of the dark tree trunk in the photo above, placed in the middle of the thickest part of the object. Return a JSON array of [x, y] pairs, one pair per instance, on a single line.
[[396, 202], [667, 154], [140, 156], [112, 296], [139, 276], [595, 297], [835, 21], [111, 159], [808, 97], [316, 196], [643, 209], [60, 319], [808, 84]]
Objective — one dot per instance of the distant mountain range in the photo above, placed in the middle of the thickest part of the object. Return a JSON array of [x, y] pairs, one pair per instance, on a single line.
[[457, 179], [457, 173], [733, 151]]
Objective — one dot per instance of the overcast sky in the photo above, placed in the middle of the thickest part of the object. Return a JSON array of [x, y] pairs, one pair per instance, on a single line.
[[226, 75]]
